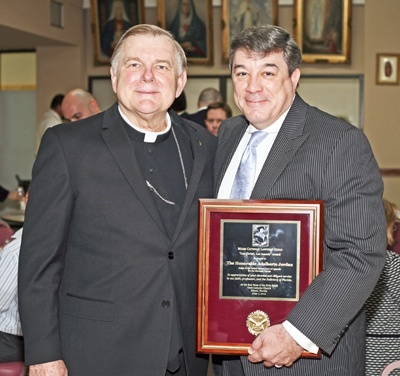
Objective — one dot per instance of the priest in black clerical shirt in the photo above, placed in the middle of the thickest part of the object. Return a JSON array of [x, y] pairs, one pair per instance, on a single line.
[[108, 264]]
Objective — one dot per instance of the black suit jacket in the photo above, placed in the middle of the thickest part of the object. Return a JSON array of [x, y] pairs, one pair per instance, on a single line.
[[198, 117], [99, 276], [319, 157]]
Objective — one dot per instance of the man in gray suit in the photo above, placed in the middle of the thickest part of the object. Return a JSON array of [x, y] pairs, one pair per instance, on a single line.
[[108, 265], [304, 154]]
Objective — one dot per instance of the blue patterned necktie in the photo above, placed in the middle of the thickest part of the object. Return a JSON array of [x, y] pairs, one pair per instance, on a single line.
[[245, 175]]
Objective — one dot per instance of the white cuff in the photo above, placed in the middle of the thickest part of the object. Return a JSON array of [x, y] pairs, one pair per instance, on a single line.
[[300, 338]]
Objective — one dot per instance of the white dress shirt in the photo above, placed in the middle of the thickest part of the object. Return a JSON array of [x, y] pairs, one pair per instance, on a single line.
[[224, 192], [262, 151], [9, 316]]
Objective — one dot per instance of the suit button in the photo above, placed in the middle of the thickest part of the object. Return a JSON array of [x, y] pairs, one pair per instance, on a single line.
[[165, 303], [171, 255]]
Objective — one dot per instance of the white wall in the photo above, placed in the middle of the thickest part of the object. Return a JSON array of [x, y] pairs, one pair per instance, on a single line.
[[17, 136]]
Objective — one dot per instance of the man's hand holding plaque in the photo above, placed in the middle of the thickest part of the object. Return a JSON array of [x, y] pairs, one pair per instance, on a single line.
[[275, 347]]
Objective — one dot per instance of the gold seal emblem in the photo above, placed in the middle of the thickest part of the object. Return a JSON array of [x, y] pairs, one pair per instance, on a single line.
[[257, 321]]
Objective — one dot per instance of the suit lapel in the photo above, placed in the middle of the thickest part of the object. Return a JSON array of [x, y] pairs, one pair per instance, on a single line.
[[120, 147], [199, 156], [287, 142]]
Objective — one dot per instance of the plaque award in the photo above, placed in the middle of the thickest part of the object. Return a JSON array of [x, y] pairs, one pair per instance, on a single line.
[[256, 258]]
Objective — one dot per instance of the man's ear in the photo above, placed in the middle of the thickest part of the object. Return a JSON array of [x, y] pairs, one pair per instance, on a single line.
[[113, 80], [181, 82], [94, 106], [295, 77]]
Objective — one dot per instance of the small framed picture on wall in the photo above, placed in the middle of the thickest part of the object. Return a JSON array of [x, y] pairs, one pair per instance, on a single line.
[[387, 69], [110, 19], [190, 21]]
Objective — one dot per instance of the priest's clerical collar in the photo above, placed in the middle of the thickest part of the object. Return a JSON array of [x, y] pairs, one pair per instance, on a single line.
[[147, 136]]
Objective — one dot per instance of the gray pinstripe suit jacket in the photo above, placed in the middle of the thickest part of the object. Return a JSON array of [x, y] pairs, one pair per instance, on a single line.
[[319, 157]]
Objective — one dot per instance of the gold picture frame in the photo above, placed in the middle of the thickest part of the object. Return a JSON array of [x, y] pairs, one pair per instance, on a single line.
[[322, 28], [110, 19], [194, 35], [260, 12], [387, 69]]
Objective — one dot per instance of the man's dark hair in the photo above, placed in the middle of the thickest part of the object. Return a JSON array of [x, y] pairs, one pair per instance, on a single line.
[[56, 101], [179, 103], [222, 105], [260, 41]]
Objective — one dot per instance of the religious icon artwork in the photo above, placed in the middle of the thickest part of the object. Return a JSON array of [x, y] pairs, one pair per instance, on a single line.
[[322, 30], [387, 69], [190, 23], [110, 19], [238, 15]]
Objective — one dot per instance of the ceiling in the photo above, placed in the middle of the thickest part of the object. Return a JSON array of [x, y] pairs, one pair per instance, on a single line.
[[16, 40]]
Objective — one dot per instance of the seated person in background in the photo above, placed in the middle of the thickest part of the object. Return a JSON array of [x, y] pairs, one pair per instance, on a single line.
[[383, 309], [6, 233], [10, 195], [206, 97], [215, 114], [79, 104], [11, 340], [5, 230]]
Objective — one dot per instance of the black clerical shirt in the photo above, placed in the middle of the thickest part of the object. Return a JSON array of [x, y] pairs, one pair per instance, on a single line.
[[162, 168]]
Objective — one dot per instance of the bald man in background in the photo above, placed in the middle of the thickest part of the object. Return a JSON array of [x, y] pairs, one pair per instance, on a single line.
[[206, 97], [79, 104]]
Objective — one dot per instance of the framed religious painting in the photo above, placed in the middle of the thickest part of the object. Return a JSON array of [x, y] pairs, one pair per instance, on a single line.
[[387, 69], [241, 14], [190, 21], [322, 29], [256, 259], [110, 19]]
